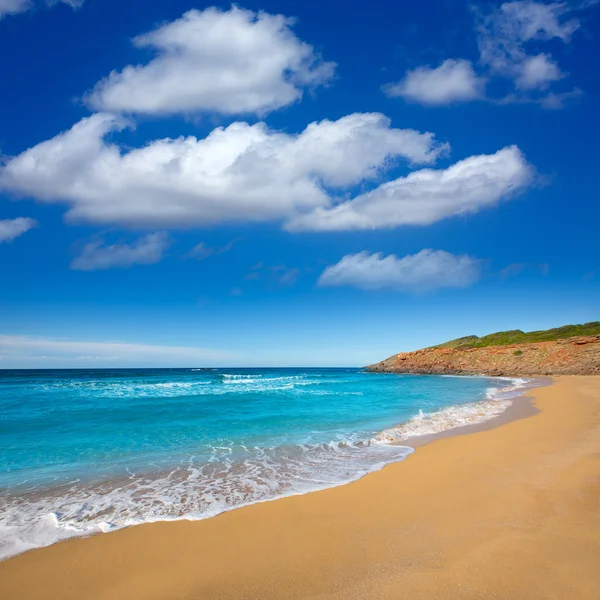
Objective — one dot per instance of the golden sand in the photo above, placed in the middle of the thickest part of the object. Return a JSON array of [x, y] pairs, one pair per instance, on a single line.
[[508, 513]]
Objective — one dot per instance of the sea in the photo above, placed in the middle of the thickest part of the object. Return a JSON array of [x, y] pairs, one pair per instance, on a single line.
[[91, 451]]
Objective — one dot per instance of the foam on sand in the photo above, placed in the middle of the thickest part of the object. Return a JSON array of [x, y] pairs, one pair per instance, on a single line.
[[498, 400]]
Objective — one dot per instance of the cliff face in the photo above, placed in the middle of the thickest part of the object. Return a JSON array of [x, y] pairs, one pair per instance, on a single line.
[[571, 356]]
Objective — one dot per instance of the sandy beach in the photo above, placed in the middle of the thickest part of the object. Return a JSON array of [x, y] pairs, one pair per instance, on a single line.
[[511, 512]]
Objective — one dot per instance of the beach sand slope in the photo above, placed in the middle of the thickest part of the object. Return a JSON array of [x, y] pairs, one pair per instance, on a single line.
[[507, 513]]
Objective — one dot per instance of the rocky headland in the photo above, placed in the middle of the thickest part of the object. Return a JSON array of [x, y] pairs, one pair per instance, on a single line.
[[554, 352]]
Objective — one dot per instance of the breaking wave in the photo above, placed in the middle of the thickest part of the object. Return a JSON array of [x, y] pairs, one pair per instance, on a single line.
[[498, 399]]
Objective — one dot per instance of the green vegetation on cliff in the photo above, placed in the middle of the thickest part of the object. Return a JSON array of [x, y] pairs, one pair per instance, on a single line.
[[503, 338]]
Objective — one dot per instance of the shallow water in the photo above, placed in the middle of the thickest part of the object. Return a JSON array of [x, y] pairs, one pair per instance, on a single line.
[[94, 450]]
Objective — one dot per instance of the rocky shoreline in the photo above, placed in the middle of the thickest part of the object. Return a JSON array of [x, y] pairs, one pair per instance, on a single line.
[[572, 356]]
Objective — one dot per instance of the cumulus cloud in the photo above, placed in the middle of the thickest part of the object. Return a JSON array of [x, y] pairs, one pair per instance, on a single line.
[[507, 36], [239, 173], [233, 62], [13, 228], [426, 271], [426, 196], [24, 351], [452, 82], [97, 256], [537, 72]]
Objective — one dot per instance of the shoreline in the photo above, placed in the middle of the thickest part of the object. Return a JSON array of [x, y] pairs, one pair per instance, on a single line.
[[522, 407], [518, 407], [507, 512]]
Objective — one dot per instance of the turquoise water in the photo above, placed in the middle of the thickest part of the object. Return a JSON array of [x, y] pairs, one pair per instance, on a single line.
[[94, 450]]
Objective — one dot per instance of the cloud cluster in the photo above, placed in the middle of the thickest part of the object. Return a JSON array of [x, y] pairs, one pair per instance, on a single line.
[[324, 178], [13, 228], [97, 256], [233, 62], [504, 33], [426, 271], [239, 173], [507, 38]]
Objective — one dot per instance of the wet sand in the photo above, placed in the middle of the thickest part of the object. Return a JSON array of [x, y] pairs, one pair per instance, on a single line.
[[511, 512]]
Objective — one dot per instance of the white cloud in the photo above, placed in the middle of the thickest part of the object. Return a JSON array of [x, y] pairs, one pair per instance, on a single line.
[[537, 72], [548, 100], [146, 251], [453, 81], [13, 228], [507, 35], [426, 196], [201, 251], [554, 100], [504, 35], [71, 3], [23, 351], [512, 24], [14, 7], [239, 173], [426, 271], [234, 62]]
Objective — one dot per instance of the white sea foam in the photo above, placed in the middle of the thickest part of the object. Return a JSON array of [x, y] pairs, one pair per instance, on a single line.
[[498, 399], [127, 388], [227, 384], [192, 492]]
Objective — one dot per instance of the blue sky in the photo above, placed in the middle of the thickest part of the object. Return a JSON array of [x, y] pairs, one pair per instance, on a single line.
[[292, 183]]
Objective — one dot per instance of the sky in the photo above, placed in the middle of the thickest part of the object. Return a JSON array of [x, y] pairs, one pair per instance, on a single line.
[[293, 183]]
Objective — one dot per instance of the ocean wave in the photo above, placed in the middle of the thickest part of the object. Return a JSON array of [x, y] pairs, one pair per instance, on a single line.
[[498, 399], [518, 386], [125, 388], [444, 420], [191, 492], [255, 378], [219, 384]]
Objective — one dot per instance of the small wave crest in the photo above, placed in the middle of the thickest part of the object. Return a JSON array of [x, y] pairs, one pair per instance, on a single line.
[[444, 420], [498, 399]]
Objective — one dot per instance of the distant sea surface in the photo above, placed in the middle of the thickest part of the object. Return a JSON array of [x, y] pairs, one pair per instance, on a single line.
[[84, 451]]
